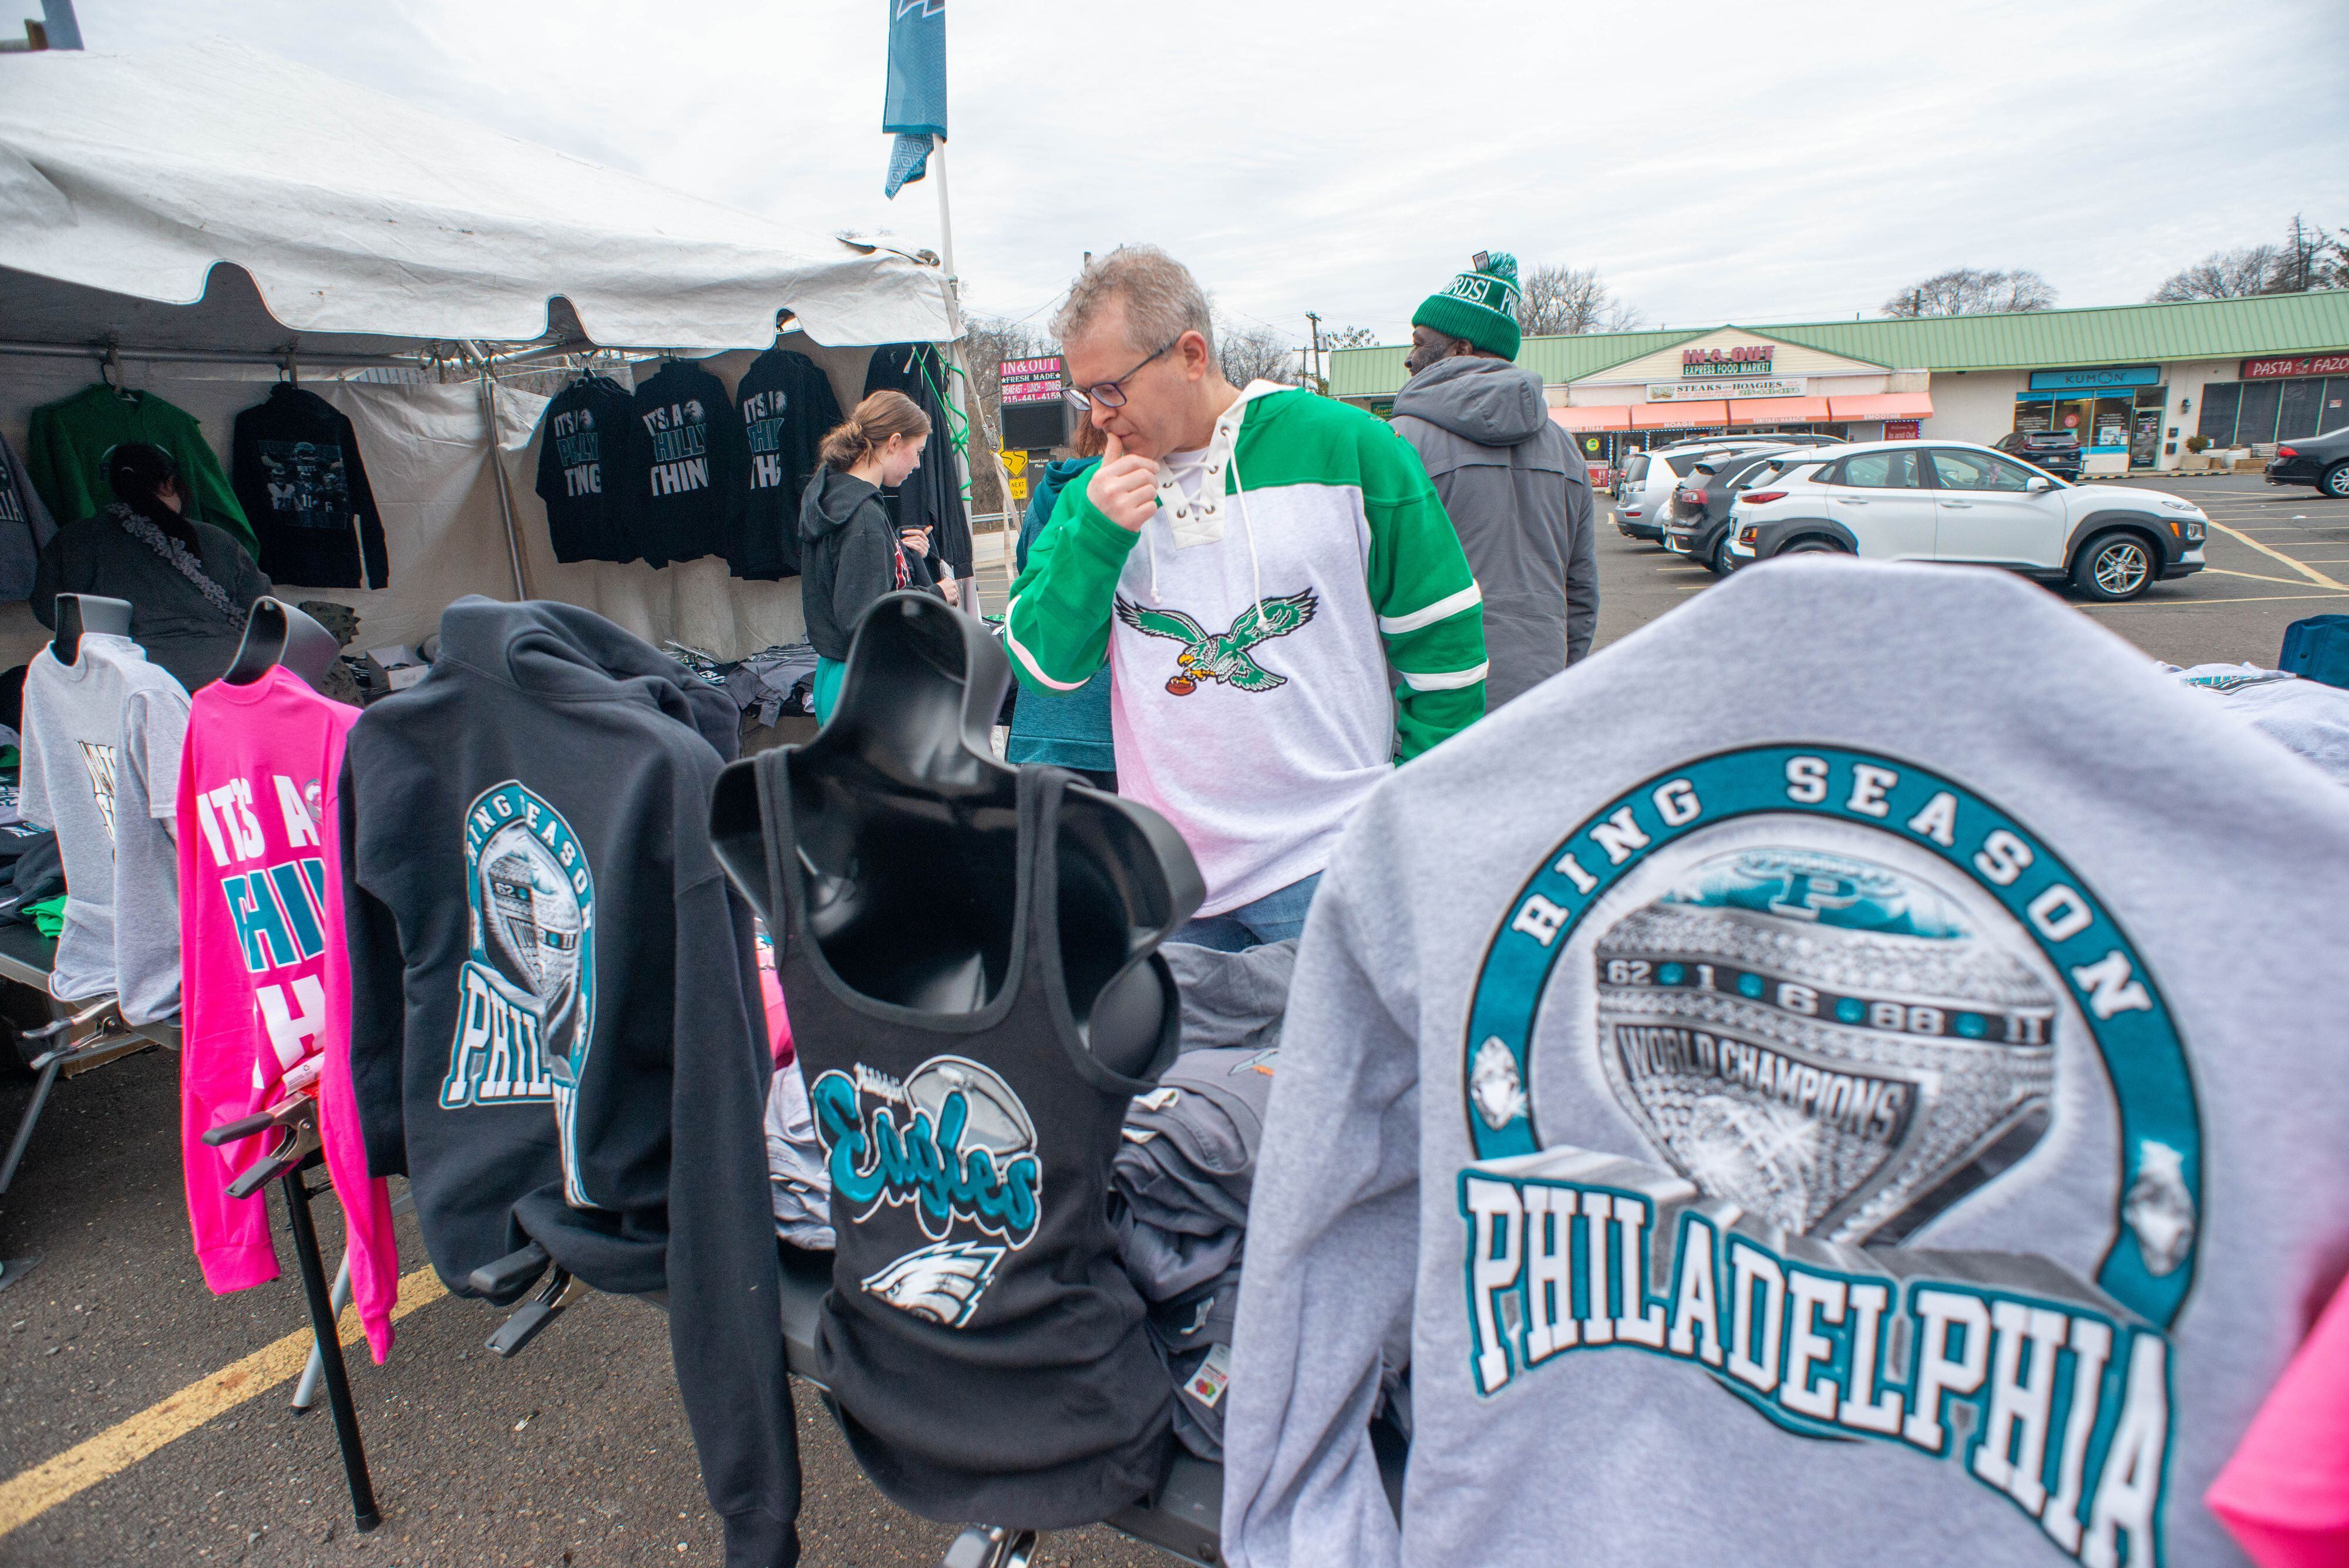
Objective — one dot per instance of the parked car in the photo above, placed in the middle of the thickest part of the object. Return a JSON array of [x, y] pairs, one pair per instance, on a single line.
[[1951, 501], [2322, 461], [1698, 523], [2057, 451], [1645, 494]]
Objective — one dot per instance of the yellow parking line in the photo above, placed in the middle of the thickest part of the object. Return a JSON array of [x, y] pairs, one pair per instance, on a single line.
[[2254, 576], [24, 1497], [2311, 573]]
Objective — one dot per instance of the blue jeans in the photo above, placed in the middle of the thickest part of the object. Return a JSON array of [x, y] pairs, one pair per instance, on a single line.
[[1275, 918]]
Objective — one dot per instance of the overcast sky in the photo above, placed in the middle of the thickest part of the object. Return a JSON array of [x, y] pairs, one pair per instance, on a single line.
[[1713, 161]]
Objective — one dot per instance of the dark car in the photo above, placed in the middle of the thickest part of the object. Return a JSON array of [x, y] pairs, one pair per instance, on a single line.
[[1697, 522], [2322, 461], [2055, 452]]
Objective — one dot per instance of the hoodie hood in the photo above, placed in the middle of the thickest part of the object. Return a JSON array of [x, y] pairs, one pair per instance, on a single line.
[[1489, 401], [561, 651], [832, 499]]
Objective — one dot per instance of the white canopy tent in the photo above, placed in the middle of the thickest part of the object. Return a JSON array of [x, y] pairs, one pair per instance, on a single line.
[[207, 213]]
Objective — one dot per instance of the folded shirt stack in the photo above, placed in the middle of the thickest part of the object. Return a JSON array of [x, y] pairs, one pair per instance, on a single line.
[[796, 1180], [1179, 1197]]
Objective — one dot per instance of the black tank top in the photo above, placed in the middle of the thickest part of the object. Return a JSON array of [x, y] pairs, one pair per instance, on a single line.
[[985, 1346]]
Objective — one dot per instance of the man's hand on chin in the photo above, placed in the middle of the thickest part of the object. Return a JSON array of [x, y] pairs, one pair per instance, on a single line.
[[1125, 487]]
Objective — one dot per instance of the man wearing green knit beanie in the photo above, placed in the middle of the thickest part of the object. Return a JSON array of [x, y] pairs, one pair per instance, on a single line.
[[1479, 308], [1516, 491]]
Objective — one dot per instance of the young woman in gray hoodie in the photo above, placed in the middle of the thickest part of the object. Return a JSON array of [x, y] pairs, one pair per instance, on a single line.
[[850, 554]]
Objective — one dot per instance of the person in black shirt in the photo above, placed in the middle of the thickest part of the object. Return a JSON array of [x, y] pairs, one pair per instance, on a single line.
[[850, 554]]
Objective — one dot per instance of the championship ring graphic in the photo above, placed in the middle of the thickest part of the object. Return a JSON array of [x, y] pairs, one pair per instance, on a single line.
[[1826, 1042], [1831, 991]]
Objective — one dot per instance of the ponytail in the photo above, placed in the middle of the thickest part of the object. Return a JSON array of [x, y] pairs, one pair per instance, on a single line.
[[868, 428]]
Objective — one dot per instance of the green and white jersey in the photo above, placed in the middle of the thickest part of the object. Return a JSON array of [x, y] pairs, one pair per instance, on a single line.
[[1250, 631]]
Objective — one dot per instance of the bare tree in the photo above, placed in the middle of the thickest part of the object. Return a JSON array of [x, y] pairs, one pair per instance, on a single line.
[[1350, 337], [988, 342], [1253, 353], [1972, 291], [1557, 300], [2237, 274]]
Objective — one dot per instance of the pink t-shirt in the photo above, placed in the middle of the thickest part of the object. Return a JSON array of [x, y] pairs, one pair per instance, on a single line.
[[2284, 1495], [261, 930]]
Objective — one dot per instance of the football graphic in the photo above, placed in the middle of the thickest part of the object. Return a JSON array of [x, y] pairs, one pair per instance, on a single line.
[[994, 1119], [1829, 1042], [1181, 685]]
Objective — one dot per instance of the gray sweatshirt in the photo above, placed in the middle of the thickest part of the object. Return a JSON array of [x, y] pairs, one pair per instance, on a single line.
[[1874, 1106], [1520, 497]]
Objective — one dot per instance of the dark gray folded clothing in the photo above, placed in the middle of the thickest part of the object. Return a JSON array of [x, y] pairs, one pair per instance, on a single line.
[[1164, 1264], [1231, 999], [1166, 1189], [1202, 1390], [1197, 1318]]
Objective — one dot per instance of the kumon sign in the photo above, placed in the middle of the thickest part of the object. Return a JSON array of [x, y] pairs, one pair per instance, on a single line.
[[1744, 359]]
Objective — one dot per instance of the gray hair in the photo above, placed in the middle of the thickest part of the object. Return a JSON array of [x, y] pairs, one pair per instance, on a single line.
[[1163, 300]]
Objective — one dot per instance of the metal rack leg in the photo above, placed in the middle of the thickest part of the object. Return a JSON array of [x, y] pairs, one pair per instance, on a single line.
[[306, 1391], [330, 1350], [41, 1087]]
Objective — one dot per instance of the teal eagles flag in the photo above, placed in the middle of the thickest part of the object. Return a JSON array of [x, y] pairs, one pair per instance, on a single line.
[[915, 106]]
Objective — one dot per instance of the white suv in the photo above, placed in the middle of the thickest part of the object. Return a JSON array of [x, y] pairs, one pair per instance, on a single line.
[[1953, 501], [1643, 496]]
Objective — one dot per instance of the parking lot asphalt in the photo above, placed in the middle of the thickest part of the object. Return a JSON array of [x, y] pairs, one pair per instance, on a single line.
[[576, 1452], [2274, 556]]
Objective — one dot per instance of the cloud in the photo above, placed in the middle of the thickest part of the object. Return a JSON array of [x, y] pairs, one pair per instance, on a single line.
[[1347, 156]]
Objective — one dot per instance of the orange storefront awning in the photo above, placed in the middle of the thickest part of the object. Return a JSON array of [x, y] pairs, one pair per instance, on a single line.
[[1884, 406], [1776, 410], [1678, 416], [1617, 416]]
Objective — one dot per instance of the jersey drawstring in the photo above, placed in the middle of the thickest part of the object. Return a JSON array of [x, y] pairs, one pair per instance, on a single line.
[[1239, 492]]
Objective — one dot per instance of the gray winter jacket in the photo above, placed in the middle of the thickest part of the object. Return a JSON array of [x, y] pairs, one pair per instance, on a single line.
[[1519, 495]]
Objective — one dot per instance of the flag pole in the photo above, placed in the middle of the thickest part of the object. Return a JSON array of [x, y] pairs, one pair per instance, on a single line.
[[958, 384]]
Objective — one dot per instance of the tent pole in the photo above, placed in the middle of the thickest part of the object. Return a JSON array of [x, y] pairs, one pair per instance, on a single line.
[[498, 468]]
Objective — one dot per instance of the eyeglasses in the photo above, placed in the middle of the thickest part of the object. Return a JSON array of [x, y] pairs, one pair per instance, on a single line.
[[1112, 394]]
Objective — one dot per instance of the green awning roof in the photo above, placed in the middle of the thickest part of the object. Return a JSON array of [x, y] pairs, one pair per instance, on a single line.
[[2044, 339]]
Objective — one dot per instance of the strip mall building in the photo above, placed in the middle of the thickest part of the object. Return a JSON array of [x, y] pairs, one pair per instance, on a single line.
[[2133, 382]]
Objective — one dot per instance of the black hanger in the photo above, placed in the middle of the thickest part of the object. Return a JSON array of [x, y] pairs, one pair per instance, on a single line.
[[276, 633], [907, 836], [79, 613]]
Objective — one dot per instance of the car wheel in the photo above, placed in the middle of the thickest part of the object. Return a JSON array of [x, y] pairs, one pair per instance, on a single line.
[[1721, 562], [2335, 481], [1815, 545], [2115, 566]]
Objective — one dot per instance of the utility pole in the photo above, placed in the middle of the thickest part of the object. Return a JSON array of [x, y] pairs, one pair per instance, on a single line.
[[1316, 368]]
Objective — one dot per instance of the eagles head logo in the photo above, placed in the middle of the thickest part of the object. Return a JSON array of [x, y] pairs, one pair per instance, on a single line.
[[693, 411], [1222, 655]]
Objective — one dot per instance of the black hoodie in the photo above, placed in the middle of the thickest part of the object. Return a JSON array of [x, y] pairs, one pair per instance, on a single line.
[[302, 487], [932, 497], [689, 467], [588, 472], [787, 406], [551, 1001], [849, 556]]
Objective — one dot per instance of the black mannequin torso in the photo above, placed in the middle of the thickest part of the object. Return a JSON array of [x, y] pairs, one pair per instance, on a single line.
[[79, 613], [907, 832], [276, 633]]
